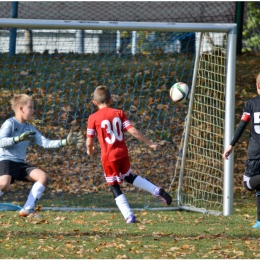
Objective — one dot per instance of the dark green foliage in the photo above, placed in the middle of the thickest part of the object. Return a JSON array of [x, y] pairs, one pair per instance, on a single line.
[[251, 30]]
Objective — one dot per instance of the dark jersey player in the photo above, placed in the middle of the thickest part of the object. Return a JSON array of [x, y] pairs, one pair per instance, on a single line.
[[251, 177]]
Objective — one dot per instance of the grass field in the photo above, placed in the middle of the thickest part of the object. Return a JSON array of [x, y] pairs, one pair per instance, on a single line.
[[157, 234]]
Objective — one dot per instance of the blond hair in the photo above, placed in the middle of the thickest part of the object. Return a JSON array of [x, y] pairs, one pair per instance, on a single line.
[[20, 99], [258, 78], [102, 95]]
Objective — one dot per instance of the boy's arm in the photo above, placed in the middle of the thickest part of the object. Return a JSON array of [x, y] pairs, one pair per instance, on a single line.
[[239, 131], [73, 139], [6, 135], [90, 145], [138, 135], [6, 138]]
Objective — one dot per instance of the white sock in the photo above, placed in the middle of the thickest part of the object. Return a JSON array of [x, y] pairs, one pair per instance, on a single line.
[[35, 194], [144, 184], [1, 193], [123, 206]]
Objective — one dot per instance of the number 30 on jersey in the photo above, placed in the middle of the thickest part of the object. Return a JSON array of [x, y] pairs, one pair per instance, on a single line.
[[114, 130]]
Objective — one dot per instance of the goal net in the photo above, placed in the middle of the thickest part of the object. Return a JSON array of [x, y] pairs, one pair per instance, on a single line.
[[60, 63]]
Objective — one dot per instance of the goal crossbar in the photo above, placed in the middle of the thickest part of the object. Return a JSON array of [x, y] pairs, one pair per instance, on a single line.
[[115, 25]]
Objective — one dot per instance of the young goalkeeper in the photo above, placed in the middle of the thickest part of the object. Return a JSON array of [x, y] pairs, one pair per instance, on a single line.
[[15, 136], [251, 177], [110, 124]]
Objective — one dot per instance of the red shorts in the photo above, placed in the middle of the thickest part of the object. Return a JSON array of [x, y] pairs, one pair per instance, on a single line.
[[117, 170]]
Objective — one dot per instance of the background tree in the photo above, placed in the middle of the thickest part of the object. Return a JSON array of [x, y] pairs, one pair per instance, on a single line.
[[251, 31]]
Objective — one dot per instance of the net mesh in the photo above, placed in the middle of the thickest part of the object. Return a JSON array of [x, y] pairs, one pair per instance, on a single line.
[[203, 175], [62, 82]]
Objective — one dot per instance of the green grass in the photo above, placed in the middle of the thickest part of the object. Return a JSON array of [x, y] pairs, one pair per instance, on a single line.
[[157, 234]]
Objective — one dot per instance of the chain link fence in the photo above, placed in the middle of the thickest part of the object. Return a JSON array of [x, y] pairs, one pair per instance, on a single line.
[[159, 11], [180, 12], [135, 11]]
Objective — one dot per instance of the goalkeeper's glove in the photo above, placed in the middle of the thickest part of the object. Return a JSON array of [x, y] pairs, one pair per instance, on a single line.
[[73, 138], [26, 136]]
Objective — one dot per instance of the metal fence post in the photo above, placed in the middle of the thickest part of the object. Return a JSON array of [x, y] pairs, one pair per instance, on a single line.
[[239, 21], [80, 40], [13, 31]]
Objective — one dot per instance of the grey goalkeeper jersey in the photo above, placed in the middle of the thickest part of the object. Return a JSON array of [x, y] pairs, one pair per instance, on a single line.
[[17, 152]]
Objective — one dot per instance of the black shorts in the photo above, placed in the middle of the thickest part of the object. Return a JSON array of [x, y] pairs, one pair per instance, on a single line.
[[17, 170], [252, 168]]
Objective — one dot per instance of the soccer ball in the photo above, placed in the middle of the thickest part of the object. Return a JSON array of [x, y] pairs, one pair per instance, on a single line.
[[179, 92]]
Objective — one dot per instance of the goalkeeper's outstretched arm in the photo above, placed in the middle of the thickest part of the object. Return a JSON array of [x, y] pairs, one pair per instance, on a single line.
[[73, 139]]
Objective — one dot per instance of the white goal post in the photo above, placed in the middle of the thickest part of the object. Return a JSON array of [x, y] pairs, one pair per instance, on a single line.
[[195, 144]]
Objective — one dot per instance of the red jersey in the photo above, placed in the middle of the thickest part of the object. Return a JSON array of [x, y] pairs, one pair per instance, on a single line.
[[109, 124]]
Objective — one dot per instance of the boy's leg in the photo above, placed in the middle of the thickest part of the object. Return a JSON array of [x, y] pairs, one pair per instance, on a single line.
[[251, 184], [254, 182], [5, 181], [39, 177], [144, 184], [140, 183], [34, 195], [258, 205], [113, 177], [257, 224], [122, 203], [8, 170]]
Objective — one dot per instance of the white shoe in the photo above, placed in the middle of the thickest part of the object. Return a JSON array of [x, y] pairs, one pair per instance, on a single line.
[[29, 212]]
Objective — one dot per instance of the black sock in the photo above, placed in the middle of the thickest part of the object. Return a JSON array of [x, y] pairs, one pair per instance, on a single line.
[[116, 190], [258, 207], [255, 182]]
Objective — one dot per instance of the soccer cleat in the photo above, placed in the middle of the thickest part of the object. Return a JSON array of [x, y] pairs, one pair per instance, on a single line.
[[28, 212], [256, 225], [130, 219], [163, 196]]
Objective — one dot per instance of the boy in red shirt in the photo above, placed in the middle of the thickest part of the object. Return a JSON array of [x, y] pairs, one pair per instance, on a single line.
[[110, 124]]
